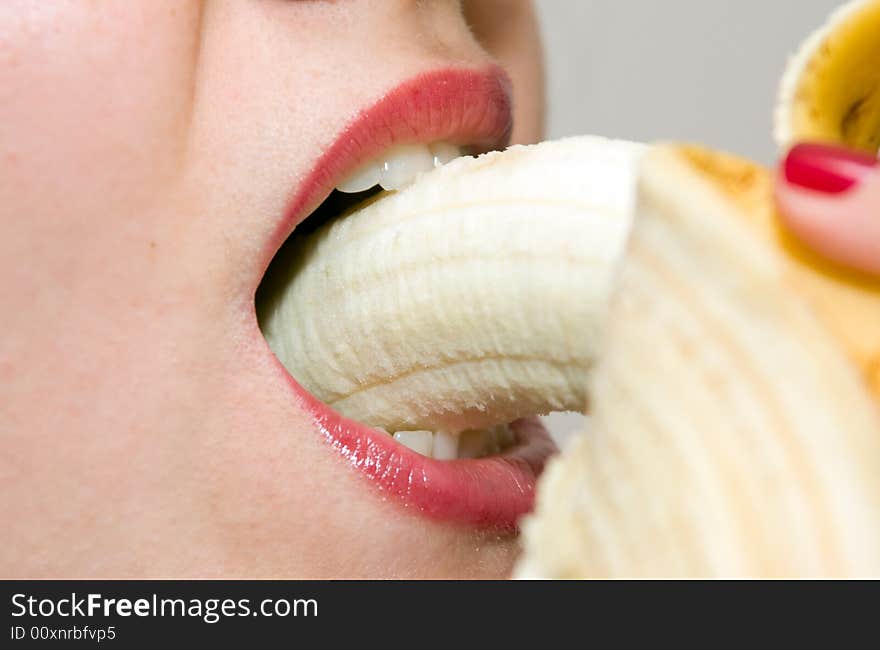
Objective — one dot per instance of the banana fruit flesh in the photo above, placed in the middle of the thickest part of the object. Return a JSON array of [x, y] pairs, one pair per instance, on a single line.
[[831, 88], [466, 300], [750, 445]]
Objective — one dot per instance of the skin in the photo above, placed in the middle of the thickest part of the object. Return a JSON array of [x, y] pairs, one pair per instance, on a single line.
[[148, 149], [844, 227]]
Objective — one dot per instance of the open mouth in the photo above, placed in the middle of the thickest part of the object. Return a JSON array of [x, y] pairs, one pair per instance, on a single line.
[[396, 169], [483, 475]]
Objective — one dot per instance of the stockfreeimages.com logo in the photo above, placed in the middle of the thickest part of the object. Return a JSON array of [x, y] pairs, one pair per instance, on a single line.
[[210, 610]]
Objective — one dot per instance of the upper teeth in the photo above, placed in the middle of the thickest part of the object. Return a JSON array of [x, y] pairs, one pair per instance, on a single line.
[[443, 445], [399, 166]]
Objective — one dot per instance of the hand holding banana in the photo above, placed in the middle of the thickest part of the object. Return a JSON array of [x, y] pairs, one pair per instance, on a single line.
[[830, 197], [733, 375]]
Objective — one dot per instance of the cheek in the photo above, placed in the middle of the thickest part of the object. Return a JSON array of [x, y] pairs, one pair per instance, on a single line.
[[94, 101], [94, 105], [93, 112]]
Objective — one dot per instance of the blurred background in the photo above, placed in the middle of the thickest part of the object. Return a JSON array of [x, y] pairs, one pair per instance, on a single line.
[[703, 70], [698, 70]]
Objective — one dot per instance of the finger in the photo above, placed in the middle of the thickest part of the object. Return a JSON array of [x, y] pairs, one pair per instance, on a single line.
[[830, 198]]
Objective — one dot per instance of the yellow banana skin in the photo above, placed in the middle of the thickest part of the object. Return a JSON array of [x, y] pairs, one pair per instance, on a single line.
[[831, 89], [830, 92]]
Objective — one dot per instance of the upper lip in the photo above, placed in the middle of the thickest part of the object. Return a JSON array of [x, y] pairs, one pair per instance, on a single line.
[[464, 107], [461, 106]]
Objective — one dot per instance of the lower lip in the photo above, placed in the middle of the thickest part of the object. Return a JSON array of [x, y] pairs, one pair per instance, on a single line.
[[492, 492]]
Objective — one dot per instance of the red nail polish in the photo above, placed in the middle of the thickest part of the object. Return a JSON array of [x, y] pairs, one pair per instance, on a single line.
[[826, 168]]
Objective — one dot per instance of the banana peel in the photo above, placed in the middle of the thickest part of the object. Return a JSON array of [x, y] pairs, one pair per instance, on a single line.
[[830, 91]]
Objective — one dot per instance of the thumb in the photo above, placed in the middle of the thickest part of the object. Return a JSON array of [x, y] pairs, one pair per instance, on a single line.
[[830, 198]]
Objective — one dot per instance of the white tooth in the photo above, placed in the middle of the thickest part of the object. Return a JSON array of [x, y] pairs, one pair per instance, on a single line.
[[418, 441], [445, 446], [399, 166], [363, 178], [443, 152], [402, 165]]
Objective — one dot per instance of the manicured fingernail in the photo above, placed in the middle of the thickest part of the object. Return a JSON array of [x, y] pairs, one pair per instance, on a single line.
[[826, 168]]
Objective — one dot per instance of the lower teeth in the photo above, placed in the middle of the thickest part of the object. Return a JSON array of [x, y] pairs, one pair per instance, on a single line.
[[442, 445]]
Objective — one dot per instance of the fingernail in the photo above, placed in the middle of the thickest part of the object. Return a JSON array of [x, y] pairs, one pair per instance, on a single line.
[[826, 168]]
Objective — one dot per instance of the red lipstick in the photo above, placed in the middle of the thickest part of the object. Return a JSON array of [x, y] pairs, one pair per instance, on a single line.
[[462, 107]]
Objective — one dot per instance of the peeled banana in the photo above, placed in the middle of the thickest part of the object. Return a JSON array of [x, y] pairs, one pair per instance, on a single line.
[[466, 300]]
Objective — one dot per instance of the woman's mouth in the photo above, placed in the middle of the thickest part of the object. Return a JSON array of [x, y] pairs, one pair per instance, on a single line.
[[438, 466]]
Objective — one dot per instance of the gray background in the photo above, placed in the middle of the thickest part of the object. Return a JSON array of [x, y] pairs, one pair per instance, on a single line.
[[699, 70]]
